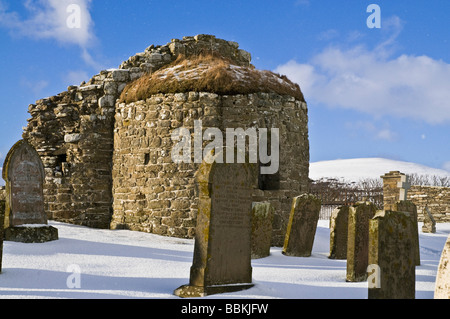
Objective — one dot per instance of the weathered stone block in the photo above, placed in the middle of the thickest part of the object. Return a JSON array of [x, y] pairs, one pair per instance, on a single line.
[[359, 216], [442, 289], [2, 228], [408, 206], [31, 233], [339, 233], [121, 75], [222, 253], [391, 256], [302, 226], [262, 214], [24, 174]]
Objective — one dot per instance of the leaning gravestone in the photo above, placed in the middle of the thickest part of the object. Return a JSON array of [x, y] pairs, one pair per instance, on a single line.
[[429, 223], [391, 256], [302, 226], [262, 218], [2, 227], [442, 289], [410, 207], [25, 218], [358, 240], [339, 233], [222, 251]]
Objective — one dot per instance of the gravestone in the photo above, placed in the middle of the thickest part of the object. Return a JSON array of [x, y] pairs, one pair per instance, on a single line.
[[222, 251], [442, 288], [302, 226], [339, 233], [25, 218], [391, 256], [359, 216], [2, 227], [410, 207], [429, 223], [262, 218]]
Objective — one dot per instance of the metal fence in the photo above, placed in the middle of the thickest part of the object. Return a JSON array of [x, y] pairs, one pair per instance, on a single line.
[[325, 211]]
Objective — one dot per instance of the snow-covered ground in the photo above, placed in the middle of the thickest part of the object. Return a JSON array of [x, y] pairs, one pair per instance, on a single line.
[[125, 264]]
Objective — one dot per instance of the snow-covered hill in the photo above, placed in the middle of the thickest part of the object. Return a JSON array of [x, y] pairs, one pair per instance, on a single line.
[[359, 168]]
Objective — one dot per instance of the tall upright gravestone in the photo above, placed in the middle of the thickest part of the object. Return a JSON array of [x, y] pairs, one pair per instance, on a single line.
[[391, 256], [302, 226], [339, 233], [410, 207], [358, 240], [262, 219], [222, 251], [25, 217]]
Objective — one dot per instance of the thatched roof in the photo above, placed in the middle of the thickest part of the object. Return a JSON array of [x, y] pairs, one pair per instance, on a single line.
[[208, 73]]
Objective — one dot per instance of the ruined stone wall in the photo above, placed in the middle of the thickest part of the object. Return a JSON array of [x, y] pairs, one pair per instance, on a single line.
[[153, 194], [73, 131]]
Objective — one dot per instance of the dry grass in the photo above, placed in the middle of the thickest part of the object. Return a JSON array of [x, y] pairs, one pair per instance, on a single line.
[[208, 73]]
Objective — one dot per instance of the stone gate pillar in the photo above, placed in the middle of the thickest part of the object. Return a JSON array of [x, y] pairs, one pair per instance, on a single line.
[[395, 187]]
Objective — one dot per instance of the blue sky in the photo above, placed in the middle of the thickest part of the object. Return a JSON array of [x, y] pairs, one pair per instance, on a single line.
[[371, 92]]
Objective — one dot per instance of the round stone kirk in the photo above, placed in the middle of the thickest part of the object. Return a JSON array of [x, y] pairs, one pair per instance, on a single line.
[[122, 150]]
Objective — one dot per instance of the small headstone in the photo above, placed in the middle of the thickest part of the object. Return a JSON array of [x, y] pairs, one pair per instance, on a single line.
[[339, 233], [410, 207], [442, 289], [222, 251], [262, 214], [302, 226], [429, 223], [358, 240], [23, 173], [391, 256], [2, 227]]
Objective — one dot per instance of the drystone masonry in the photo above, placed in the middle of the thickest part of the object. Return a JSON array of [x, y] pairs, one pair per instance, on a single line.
[[151, 193], [108, 164], [437, 199]]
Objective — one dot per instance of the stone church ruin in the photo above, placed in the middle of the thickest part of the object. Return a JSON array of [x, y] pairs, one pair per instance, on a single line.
[[106, 145]]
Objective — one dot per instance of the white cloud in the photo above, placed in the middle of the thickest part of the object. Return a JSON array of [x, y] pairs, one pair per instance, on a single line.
[[76, 77], [50, 19], [373, 82], [35, 86], [386, 134], [372, 129], [446, 166]]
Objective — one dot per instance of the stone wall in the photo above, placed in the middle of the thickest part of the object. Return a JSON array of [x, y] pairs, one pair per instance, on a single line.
[[73, 131], [437, 198], [153, 194]]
